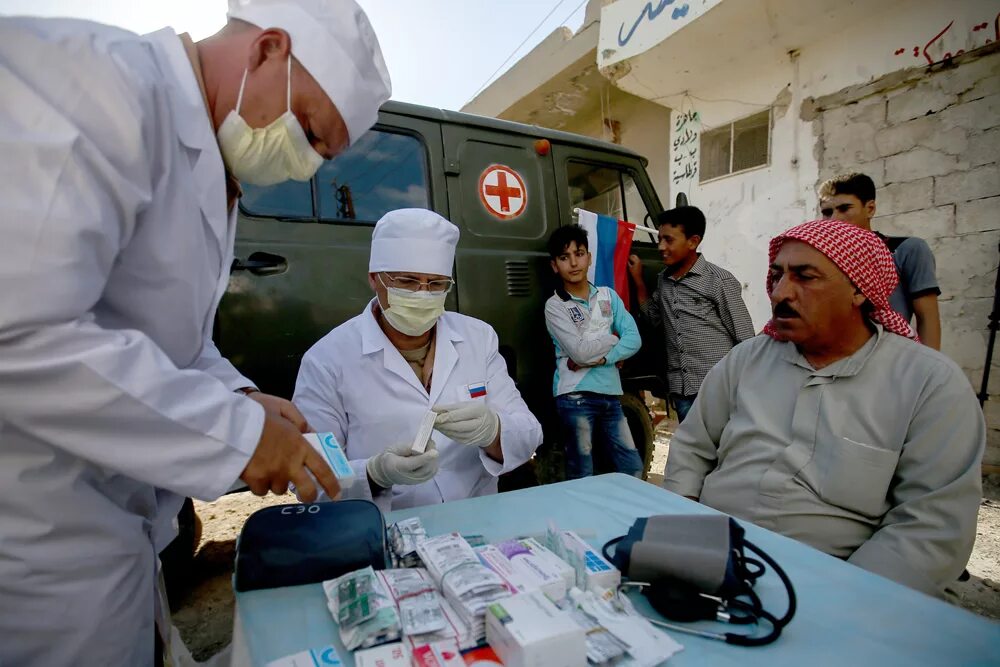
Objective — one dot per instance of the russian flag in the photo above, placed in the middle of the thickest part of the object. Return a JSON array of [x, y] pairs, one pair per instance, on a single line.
[[610, 245]]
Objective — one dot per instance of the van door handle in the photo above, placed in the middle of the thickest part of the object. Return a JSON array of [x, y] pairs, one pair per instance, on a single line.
[[260, 264]]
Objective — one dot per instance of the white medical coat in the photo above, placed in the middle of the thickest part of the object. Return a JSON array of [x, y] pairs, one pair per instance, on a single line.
[[114, 403], [355, 384]]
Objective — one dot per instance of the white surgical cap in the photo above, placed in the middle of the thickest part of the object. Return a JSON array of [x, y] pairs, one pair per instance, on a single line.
[[336, 44], [415, 240]]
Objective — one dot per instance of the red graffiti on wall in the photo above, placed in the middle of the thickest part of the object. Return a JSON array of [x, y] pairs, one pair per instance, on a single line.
[[927, 50]]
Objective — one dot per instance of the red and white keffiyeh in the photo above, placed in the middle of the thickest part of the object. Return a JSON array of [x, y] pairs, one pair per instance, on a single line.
[[861, 255]]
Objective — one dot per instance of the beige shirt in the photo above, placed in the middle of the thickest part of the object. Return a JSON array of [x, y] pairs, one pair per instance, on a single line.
[[418, 361], [875, 458]]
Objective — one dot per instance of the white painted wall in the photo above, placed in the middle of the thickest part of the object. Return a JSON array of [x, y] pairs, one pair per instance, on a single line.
[[745, 210]]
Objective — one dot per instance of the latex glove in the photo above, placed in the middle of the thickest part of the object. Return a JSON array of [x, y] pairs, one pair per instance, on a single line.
[[470, 423], [400, 465]]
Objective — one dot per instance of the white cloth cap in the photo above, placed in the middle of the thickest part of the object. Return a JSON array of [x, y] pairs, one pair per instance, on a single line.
[[413, 239], [336, 44]]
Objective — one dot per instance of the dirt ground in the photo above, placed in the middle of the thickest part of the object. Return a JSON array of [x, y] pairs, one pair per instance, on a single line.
[[204, 609]]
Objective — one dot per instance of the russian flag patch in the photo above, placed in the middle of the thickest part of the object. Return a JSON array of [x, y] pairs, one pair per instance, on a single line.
[[477, 390]]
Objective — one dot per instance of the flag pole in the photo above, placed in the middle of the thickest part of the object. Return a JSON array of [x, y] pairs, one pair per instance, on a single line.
[[576, 214]]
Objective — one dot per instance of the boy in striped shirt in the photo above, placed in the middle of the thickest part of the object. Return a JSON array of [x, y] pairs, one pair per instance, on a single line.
[[593, 333], [698, 305]]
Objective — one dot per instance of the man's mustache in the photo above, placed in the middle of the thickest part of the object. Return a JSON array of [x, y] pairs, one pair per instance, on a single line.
[[782, 309]]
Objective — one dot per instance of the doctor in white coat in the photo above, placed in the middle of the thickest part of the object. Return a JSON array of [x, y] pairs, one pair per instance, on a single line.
[[371, 380], [114, 403]]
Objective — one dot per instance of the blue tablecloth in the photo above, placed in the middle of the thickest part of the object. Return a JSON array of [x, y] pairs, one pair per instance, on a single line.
[[845, 615]]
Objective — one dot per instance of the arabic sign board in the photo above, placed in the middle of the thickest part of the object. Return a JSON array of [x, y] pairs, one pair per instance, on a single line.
[[630, 27], [685, 146]]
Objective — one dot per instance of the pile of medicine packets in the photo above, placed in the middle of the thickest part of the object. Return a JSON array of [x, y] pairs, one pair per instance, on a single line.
[[403, 538], [549, 601], [363, 609], [468, 585]]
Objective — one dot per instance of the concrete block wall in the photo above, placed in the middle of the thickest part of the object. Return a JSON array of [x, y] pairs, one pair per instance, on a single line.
[[930, 138]]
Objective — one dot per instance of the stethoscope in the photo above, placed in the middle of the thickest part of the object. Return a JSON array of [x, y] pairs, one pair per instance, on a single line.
[[683, 606]]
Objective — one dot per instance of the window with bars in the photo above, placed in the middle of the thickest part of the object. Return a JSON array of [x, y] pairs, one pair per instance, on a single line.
[[741, 145]]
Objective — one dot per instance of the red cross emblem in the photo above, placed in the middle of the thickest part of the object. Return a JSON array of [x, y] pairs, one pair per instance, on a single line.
[[502, 191]]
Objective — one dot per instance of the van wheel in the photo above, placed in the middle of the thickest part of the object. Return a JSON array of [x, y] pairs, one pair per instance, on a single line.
[[640, 423]]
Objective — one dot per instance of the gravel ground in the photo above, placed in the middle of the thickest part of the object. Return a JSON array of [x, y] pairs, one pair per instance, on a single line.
[[204, 610]]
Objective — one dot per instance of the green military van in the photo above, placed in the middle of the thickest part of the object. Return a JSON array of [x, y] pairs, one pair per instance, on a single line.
[[302, 248], [302, 254]]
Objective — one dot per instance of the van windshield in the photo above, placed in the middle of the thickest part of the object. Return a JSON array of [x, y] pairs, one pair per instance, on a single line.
[[608, 191]]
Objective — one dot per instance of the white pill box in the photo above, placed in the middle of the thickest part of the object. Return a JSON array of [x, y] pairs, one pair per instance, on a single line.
[[551, 560], [521, 579], [528, 630], [534, 565], [594, 573], [387, 655], [424, 432], [331, 451]]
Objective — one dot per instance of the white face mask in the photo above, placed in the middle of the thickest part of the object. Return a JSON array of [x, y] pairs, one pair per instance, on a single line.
[[268, 155], [412, 313]]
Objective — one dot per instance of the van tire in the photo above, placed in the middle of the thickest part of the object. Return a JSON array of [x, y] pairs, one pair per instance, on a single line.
[[640, 423]]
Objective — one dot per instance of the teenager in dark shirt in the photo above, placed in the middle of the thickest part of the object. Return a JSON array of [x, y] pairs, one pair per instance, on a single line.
[[851, 198]]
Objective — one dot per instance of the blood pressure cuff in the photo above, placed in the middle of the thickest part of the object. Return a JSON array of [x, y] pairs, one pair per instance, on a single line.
[[291, 545], [696, 549], [695, 568]]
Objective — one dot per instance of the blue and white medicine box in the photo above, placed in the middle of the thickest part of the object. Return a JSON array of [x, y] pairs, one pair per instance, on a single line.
[[594, 573], [317, 657], [331, 451]]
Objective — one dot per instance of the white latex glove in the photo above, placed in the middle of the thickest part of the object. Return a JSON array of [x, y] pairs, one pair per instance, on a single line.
[[400, 465], [470, 423]]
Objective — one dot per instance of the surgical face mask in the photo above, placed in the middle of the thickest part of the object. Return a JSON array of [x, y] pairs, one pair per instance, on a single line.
[[412, 313], [268, 155]]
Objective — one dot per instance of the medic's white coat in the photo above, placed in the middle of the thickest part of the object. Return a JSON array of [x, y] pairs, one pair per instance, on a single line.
[[114, 404], [355, 384]]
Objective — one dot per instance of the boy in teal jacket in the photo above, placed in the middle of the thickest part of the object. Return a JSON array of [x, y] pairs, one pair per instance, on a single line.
[[593, 333]]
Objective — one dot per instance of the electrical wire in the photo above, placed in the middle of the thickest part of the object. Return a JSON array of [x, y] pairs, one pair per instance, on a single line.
[[525, 40]]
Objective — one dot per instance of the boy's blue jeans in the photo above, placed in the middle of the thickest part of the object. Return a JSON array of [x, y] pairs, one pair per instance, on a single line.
[[587, 418], [682, 405]]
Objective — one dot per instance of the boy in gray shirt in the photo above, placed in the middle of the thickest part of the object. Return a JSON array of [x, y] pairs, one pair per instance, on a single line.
[[851, 198]]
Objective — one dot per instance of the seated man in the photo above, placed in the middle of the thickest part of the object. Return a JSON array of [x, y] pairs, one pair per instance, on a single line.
[[371, 380], [836, 428]]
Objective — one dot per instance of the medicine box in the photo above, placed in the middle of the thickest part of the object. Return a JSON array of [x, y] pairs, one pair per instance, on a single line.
[[387, 655], [594, 573], [437, 654], [552, 560], [528, 630], [530, 571], [327, 657], [331, 451], [514, 580], [482, 657], [424, 432]]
